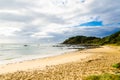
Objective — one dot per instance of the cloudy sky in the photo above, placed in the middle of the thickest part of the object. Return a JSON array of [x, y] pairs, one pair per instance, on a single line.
[[55, 20]]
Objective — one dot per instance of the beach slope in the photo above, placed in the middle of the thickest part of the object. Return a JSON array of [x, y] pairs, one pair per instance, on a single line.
[[68, 66]]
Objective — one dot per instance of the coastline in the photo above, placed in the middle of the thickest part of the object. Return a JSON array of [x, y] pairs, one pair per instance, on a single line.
[[42, 63], [67, 66]]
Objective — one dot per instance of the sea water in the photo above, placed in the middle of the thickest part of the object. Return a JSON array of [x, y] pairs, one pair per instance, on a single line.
[[11, 53]]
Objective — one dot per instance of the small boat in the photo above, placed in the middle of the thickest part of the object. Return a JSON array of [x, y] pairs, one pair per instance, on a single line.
[[25, 45]]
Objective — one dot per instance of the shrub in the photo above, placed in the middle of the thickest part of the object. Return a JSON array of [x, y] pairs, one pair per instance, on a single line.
[[117, 65], [103, 77], [93, 77]]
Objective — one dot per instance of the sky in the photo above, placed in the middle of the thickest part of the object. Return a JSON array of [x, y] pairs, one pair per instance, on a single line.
[[53, 21]]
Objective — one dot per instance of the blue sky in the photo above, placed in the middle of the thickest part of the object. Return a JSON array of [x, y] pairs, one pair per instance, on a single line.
[[50, 21], [92, 23]]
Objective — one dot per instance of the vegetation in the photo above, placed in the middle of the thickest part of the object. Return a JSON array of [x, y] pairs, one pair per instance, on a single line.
[[117, 65], [112, 39], [82, 40], [103, 77]]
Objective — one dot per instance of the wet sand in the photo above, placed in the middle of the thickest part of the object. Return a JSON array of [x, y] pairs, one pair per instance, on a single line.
[[68, 66]]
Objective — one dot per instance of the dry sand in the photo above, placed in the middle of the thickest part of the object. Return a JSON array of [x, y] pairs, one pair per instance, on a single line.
[[68, 66]]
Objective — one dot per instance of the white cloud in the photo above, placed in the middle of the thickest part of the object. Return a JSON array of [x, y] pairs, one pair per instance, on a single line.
[[8, 31], [41, 35], [28, 20], [18, 12], [48, 31]]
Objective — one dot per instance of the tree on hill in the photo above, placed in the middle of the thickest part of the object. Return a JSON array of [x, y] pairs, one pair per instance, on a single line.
[[112, 39], [81, 40]]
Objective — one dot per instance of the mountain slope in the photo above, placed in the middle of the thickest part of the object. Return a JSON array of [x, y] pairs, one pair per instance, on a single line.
[[112, 39], [81, 40]]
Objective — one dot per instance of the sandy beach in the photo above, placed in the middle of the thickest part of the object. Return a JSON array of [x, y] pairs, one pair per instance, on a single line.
[[43, 62], [68, 66]]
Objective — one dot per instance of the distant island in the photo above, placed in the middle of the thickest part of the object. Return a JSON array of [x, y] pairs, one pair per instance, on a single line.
[[111, 39]]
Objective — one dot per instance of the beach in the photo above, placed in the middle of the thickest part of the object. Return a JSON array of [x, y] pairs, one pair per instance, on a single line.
[[68, 66]]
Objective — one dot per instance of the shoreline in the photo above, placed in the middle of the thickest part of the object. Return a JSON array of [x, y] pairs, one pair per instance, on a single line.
[[43, 62], [37, 57]]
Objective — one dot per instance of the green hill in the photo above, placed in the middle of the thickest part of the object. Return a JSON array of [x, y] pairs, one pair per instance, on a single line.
[[112, 39], [82, 40]]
